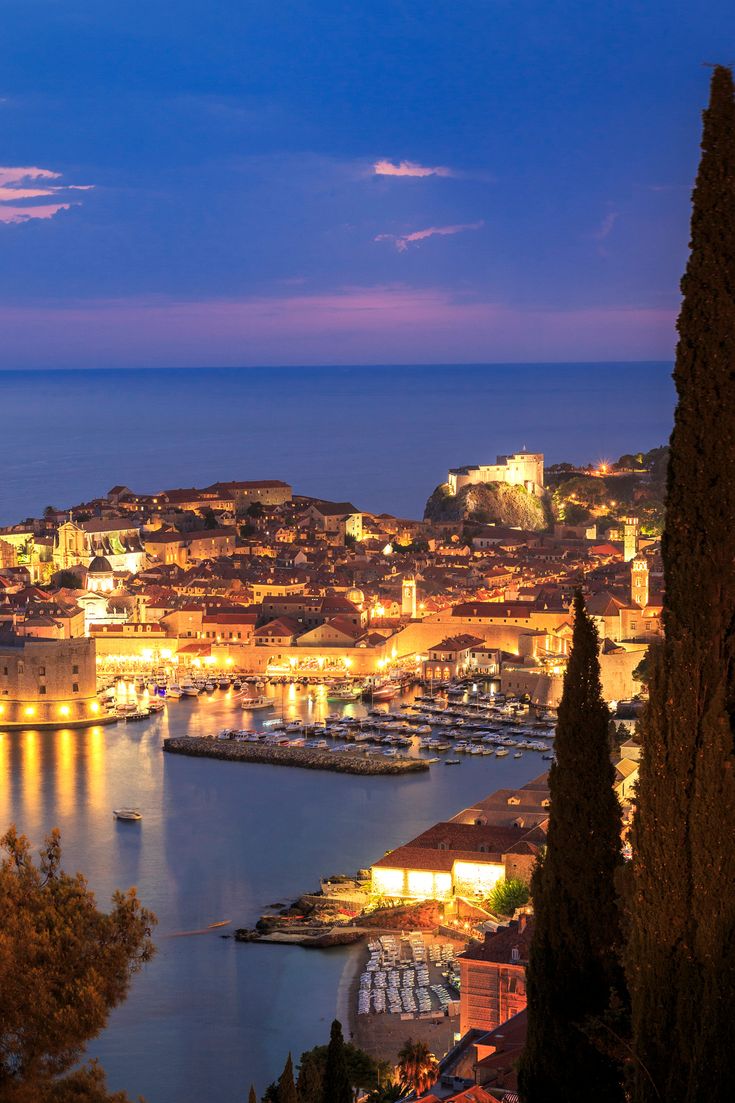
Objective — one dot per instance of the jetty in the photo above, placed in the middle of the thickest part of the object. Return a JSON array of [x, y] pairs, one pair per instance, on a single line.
[[231, 750]]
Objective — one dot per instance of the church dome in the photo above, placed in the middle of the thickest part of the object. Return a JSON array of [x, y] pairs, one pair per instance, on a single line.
[[100, 565], [356, 596]]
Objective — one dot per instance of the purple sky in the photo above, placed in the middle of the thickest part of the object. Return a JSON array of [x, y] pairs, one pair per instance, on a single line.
[[465, 181]]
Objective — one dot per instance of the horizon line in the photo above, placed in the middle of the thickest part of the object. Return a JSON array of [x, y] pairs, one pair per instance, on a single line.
[[332, 367]]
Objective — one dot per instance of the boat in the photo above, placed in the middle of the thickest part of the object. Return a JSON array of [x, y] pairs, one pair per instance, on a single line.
[[518, 754], [385, 692], [188, 689], [209, 687], [452, 762], [156, 705], [138, 714], [251, 704], [344, 691], [127, 814], [501, 752], [224, 683], [237, 684], [173, 690]]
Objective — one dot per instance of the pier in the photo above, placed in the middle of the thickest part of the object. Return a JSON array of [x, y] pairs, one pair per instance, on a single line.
[[306, 758]]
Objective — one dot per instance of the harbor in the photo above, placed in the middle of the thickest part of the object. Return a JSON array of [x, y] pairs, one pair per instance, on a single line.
[[218, 840]]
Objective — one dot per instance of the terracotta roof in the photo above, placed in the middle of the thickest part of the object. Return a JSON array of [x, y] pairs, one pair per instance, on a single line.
[[498, 947]]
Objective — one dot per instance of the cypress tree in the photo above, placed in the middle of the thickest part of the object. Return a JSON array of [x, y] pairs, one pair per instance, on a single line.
[[336, 1081], [286, 1088], [573, 961], [309, 1086], [681, 955]]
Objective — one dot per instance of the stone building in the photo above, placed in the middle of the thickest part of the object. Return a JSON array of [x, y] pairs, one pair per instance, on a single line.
[[493, 977], [47, 683], [524, 469]]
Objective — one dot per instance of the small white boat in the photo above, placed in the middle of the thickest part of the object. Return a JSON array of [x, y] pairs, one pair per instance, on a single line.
[[188, 689], [452, 762], [250, 704], [518, 754], [173, 690], [156, 705], [128, 814], [501, 752]]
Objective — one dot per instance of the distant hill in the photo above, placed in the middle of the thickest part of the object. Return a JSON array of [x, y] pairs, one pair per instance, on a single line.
[[489, 502]]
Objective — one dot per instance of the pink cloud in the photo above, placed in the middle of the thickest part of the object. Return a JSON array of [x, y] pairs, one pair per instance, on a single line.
[[15, 174], [402, 241], [382, 324], [10, 214], [14, 189], [410, 168]]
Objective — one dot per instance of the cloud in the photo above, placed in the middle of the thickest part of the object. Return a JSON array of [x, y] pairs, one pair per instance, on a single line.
[[410, 168], [14, 190], [390, 324], [402, 241]]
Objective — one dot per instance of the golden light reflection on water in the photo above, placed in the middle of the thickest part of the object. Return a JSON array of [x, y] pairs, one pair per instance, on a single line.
[[95, 776], [66, 780], [31, 783]]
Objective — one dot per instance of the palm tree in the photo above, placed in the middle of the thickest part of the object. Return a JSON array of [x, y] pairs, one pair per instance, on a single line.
[[417, 1066]]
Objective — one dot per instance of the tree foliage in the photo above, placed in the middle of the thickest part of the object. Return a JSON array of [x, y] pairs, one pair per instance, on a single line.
[[573, 961], [64, 964], [507, 895], [681, 958], [286, 1092], [362, 1070], [417, 1066], [336, 1082]]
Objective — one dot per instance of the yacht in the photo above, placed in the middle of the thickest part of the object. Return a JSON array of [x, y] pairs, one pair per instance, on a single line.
[[188, 689], [173, 690], [250, 704], [129, 814]]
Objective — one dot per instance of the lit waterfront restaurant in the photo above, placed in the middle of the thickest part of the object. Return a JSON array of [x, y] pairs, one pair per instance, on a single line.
[[47, 683]]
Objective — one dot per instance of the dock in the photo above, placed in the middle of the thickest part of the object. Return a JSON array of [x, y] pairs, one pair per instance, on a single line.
[[307, 758]]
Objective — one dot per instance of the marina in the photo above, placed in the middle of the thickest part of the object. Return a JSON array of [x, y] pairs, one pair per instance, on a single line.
[[219, 839]]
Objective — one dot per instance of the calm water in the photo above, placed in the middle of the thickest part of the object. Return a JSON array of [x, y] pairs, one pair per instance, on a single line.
[[380, 437], [218, 841]]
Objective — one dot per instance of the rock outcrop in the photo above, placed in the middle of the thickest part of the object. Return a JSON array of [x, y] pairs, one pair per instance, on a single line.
[[489, 502]]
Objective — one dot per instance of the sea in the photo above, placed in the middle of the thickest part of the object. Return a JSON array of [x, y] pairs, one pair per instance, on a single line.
[[379, 437], [223, 841]]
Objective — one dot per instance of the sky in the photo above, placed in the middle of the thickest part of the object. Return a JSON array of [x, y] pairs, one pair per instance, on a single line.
[[250, 182]]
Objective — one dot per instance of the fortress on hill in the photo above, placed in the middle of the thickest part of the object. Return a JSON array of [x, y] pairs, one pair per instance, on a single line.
[[521, 469]]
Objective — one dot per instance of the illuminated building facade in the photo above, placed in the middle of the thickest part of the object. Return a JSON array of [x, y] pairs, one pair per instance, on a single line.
[[47, 683], [455, 859], [524, 469]]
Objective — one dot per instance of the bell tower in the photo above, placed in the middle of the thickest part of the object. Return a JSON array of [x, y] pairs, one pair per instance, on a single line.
[[630, 538], [408, 597], [639, 581]]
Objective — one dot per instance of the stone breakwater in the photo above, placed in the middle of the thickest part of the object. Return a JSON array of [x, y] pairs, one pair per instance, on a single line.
[[306, 758]]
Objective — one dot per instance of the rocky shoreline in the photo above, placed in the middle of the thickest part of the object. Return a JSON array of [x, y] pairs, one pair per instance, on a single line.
[[368, 765]]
